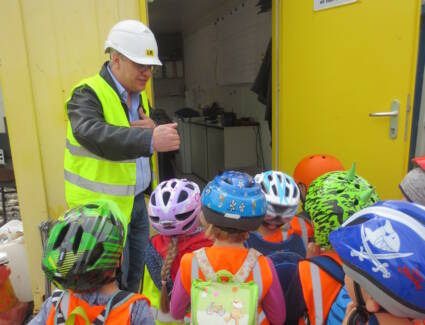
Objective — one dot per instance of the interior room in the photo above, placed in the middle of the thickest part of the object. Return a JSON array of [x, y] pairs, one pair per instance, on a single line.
[[212, 52]]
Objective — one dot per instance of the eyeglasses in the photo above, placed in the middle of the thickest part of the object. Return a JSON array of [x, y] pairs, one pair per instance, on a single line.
[[144, 67]]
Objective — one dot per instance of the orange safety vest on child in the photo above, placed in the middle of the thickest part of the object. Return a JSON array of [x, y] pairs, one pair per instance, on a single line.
[[298, 226], [230, 259], [70, 305], [320, 290]]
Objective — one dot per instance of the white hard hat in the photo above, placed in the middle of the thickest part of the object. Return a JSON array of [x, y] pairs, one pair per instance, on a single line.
[[135, 41]]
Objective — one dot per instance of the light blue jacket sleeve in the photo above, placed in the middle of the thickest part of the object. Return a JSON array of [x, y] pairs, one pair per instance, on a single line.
[[41, 317]]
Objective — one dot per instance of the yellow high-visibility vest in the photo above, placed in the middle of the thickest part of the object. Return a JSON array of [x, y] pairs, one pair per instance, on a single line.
[[88, 176]]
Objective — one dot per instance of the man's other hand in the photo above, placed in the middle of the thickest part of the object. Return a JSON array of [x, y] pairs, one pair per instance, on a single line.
[[165, 138]]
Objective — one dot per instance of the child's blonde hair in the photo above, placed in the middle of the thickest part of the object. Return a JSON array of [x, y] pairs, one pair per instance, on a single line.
[[165, 271]]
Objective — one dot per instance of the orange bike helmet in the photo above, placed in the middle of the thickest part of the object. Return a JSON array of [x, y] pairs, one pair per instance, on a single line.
[[313, 166]]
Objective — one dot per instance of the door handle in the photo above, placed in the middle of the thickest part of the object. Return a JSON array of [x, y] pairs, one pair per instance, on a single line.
[[393, 115], [383, 114]]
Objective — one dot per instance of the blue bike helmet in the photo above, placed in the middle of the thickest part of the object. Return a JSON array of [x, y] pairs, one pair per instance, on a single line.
[[382, 248], [233, 200]]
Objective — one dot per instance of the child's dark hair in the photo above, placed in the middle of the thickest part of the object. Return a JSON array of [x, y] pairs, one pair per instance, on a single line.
[[165, 272]]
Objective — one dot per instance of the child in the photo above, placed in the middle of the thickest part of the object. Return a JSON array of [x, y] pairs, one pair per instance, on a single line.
[[174, 209], [413, 184], [232, 205], [382, 249], [283, 197], [331, 199], [82, 257]]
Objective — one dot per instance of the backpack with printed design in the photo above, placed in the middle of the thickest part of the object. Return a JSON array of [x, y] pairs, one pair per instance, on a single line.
[[231, 302]]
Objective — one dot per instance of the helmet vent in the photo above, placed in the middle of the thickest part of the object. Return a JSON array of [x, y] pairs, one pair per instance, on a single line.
[[165, 197], [356, 202], [189, 224], [295, 194], [113, 220], [190, 186], [95, 254], [92, 206], [274, 189], [279, 177], [182, 196], [357, 186], [270, 177], [286, 191], [263, 187], [163, 185], [173, 184], [183, 216], [77, 239], [153, 199], [154, 219], [61, 236]]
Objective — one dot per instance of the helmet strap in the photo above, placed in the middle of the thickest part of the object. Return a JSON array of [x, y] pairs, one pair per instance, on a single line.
[[360, 315]]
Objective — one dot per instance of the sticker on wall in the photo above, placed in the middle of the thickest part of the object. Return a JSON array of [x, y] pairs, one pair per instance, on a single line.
[[325, 4]]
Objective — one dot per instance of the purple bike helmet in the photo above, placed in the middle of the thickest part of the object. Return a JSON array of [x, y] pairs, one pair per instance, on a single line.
[[174, 207]]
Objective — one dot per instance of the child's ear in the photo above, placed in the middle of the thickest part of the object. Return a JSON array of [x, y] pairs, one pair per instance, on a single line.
[[371, 305], [303, 191], [313, 250]]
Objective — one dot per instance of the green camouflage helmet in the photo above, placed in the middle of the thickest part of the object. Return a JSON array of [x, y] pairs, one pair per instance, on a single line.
[[85, 246], [333, 197]]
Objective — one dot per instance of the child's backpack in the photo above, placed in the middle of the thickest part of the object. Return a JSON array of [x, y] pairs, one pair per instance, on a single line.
[[293, 244], [217, 302], [286, 265], [336, 313]]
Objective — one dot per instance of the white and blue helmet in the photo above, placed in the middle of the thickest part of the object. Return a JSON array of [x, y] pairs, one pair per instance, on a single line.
[[282, 195], [382, 249]]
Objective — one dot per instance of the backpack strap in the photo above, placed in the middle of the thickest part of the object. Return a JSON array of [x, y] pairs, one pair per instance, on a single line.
[[116, 300], [247, 266], [285, 230], [330, 266], [60, 300], [204, 264], [304, 231]]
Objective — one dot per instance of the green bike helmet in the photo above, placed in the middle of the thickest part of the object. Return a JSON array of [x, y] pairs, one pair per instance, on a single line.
[[85, 246], [333, 197]]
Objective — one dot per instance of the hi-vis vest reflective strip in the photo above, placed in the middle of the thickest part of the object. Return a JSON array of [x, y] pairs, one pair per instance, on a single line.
[[257, 277], [154, 160], [319, 290]]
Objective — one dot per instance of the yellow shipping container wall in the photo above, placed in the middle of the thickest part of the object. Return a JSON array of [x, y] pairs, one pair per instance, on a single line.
[[47, 47]]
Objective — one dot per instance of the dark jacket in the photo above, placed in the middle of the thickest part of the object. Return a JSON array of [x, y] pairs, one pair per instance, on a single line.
[[105, 140]]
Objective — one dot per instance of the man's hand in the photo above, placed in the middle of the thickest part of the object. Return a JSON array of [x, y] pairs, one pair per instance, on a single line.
[[144, 122], [165, 138]]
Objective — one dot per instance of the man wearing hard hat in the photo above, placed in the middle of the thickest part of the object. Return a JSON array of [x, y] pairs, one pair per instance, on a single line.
[[110, 137]]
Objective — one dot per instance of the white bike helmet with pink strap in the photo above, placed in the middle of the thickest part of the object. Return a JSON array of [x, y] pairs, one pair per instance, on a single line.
[[174, 207]]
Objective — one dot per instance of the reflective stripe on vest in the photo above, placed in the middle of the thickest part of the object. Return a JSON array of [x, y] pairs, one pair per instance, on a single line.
[[153, 160], [304, 232], [285, 230], [83, 152], [317, 293]]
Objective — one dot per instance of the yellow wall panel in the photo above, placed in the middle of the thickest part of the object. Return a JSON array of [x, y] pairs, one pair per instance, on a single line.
[[47, 47], [335, 67]]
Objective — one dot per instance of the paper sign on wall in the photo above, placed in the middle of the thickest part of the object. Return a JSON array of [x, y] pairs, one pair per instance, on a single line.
[[325, 4]]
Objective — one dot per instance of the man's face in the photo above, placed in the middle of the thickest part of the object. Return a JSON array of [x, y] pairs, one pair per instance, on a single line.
[[131, 75]]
